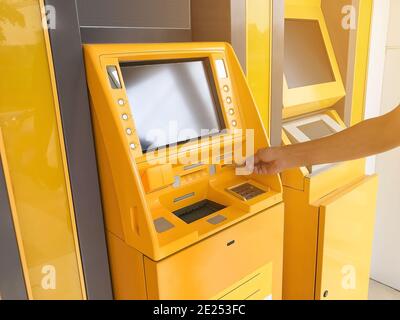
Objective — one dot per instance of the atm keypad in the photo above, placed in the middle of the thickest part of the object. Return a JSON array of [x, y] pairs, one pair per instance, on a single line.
[[246, 191]]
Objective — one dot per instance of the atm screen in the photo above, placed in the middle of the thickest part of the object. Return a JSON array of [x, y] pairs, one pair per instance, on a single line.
[[306, 59], [172, 102]]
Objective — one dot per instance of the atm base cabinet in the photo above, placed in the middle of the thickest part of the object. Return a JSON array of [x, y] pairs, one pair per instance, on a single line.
[[239, 263], [328, 243]]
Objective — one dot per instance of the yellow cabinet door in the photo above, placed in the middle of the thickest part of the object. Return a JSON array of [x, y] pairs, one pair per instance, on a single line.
[[346, 229]]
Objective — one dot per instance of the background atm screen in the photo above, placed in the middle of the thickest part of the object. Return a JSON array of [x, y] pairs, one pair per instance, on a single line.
[[172, 102], [306, 59], [317, 130]]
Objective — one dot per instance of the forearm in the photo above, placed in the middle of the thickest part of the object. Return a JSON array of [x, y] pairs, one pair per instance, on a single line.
[[367, 138]]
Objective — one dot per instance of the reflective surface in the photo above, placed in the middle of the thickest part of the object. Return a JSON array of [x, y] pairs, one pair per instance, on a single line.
[[172, 102], [29, 121]]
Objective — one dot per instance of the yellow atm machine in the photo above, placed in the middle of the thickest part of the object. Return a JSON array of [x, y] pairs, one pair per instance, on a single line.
[[330, 209], [179, 226]]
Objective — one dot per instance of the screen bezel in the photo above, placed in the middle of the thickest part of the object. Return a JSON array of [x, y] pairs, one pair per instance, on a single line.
[[297, 101], [212, 82]]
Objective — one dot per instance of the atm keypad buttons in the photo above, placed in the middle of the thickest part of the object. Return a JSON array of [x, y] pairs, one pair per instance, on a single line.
[[246, 191]]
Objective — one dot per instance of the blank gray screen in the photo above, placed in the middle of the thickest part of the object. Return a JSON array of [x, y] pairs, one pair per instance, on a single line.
[[306, 58], [172, 102]]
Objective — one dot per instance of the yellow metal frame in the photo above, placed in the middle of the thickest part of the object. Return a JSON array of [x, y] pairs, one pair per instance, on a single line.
[[44, 148], [307, 99]]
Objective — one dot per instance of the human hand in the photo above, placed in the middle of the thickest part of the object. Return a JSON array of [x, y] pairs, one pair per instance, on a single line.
[[269, 161]]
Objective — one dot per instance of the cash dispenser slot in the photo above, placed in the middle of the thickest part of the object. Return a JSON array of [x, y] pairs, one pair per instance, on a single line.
[[198, 211]]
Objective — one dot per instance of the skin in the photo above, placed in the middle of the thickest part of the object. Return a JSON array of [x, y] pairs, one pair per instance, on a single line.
[[368, 138]]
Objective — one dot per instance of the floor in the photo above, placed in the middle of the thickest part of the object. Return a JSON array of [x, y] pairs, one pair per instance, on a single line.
[[378, 291]]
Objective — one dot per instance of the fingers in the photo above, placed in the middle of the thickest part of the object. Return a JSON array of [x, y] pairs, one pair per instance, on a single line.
[[266, 168]]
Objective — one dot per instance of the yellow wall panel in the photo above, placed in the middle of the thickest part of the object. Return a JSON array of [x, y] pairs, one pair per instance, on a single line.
[[258, 50], [30, 125]]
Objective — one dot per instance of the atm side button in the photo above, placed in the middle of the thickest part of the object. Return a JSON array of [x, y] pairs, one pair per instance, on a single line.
[[163, 225]]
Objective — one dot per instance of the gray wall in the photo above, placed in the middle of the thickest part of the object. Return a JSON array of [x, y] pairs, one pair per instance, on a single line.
[[12, 282], [129, 21]]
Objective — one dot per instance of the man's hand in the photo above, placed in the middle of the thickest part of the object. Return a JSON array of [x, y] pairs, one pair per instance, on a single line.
[[269, 161]]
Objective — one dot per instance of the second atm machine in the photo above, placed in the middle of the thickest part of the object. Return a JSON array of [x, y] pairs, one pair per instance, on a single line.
[[330, 209], [179, 227]]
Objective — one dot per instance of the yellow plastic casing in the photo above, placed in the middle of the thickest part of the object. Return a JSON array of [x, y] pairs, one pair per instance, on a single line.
[[137, 192], [329, 223], [302, 100]]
